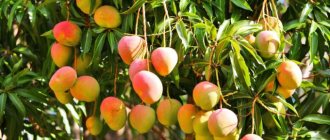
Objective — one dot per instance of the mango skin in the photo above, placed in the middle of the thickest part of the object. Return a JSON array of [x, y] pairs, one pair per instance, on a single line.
[[131, 48], [82, 63], [286, 93], [167, 111], [186, 115], [251, 39], [63, 97], [94, 125], [200, 123], [85, 5], [147, 86], [203, 137], [142, 118], [136, 66], [107, 16], [113, 110], [251, 137], [85, 89], [222, 122], [164, 60], [206, 95], [63, 79], [289, 75], [60, 54], [267, 43], [231, 136], [67, 33]]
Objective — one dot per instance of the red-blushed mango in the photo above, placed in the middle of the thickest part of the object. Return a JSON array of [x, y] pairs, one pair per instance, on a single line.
[[113, 110], [231, 136], [63, 79], [107, 16], [167, 111], [67, 33], [286, 93], [186, 115], [136, 66], [147, 86], [61, 55], [200, 123], [251, 137], [164, 60], [85, 89], [63, 97], [142, 118], [94, 125], [131, 48], [222, 122], [85, 5], [289, 75], [204, 137], [206, 95], [267, 43], [82, 63]]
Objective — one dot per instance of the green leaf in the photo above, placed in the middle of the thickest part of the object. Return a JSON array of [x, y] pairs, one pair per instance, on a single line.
[[288, 105], [240, 66], [99, 44], [87, 41], [183, 4], [317, 118], [32, 13], [48, 34], [305, 12], [135, 7], [294, 24], [17, 103], [222, 29], [12, 14], [242, 4], [182, 32], [313, 45], [113, 42], [3, 98], [258, 120]]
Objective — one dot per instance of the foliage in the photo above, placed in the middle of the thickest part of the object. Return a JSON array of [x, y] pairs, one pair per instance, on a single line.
[[209, 39]]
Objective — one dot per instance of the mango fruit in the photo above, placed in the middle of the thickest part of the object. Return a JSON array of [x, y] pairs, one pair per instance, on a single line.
[[113, 110], [67, 33]]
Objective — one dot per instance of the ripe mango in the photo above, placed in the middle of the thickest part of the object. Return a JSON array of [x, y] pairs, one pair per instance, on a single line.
[[63, 97], [85, 5], [289, 75], [164, 60], [94, 125], [267, 43], [85, 89], [60, 54], [206, 95], [251, 137], [167, 111], [222, 122], [200, 123], [142, 118], [186, 115], [107, 16], [113, 110], [147, 86], [131, 48], [63, 79], [136, 66], [67, 33]]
